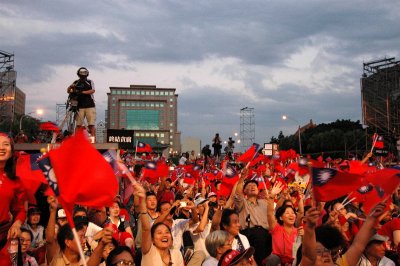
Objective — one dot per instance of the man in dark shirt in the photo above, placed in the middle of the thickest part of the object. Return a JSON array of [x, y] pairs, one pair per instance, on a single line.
[[81, 95]]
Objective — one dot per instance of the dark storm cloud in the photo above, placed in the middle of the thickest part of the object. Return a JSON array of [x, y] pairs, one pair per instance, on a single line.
[[256, 33]]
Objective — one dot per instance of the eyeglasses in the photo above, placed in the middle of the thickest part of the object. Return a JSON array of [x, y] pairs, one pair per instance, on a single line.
[[334, 253], [124, 263]]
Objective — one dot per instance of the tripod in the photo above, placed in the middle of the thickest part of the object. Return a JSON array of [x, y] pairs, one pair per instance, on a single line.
[[69, 119]]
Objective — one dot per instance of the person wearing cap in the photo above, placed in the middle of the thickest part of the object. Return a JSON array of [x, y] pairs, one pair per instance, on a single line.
[[234, 257], [199, 232], [315, 252], [212, 197], [217, 243], [374, 253], [32, 224], [12, 208], [252, 218]]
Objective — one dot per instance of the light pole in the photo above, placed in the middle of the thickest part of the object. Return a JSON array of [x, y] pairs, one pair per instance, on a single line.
[[38, 112], [285, 117]]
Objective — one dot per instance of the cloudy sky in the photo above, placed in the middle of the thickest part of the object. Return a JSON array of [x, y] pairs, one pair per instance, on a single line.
[[300, 58]]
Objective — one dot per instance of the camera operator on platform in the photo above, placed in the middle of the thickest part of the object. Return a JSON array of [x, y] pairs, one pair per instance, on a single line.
[[81, 91]]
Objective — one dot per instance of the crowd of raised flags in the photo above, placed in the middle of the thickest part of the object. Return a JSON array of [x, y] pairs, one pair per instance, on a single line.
[[77, 174]]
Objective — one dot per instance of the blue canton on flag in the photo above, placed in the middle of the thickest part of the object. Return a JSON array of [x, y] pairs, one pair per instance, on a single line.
[[49, 174], [322, 175]]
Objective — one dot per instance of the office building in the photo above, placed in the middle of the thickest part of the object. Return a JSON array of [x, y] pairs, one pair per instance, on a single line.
[[150, 111]]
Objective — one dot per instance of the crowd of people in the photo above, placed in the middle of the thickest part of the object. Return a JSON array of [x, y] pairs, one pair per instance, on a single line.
[[265, 214]]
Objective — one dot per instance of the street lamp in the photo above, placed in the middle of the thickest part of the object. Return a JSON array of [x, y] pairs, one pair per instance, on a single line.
[[38, 112], [285, 117]]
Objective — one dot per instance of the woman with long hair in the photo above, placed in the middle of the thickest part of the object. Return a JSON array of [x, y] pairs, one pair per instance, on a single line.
[[12, 209]]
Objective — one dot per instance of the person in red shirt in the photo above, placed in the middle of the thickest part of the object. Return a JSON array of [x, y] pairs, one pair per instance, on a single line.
[[12, 198]]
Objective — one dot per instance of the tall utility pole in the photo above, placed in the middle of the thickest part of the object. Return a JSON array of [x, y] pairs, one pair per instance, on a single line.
[[247, 127]]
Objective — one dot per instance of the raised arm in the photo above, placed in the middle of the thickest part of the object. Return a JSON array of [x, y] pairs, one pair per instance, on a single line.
[[204, 219], [51, 242], [240, 183], [144, 218], [276, 189], [354, 252], [309, 240], [97, 255]]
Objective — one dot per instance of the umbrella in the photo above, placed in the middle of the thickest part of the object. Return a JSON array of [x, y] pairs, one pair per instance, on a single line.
[[50, 126]]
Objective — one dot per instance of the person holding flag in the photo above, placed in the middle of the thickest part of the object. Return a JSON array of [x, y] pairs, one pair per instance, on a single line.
[[12, 199]]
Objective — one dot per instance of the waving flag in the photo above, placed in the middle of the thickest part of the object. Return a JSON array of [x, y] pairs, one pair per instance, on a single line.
[[250, 154], [143, 147], [83, 176], [377, 141], [48, 171], [330, 184], [152, 171], [189, 179], [30, 174]]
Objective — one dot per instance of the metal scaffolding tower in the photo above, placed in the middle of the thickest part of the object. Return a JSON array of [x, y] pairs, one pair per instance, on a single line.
[[380, 94], [247, 127], [7, 89]]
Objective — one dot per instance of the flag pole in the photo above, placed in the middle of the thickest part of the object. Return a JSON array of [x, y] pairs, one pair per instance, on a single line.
[[248, 164], [374, 142], [76, 237], [136, 148]]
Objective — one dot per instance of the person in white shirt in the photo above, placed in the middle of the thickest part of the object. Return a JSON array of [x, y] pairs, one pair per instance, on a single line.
[[374, 252], [217, 243], [230, 223]]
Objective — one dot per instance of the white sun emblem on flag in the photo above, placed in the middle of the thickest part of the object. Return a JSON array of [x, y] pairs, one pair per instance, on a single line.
[[324, 176], [51, 178]]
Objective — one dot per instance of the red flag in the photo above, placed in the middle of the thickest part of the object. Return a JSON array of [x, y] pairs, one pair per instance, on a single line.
[[385, 180], [378, 140], [152, 171], [330, 184], [189, 179], [249, 155], [30, 174], [49, 126], [84, 177], [143, 147]]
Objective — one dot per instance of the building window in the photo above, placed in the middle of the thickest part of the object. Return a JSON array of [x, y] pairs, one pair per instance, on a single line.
[[152, 93], [142, 119], [171, 100], [147, 93], [170, 124], [171, 137], [162, 135], [142, 93], [157, 93], [171, 105], [171, 143], [122, 103]]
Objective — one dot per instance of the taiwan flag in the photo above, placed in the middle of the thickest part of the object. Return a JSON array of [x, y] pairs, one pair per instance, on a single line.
[[152, 171], [250, 154], [330, 184], [378, 141], [30, 174], [143, 147]]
